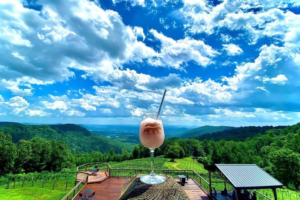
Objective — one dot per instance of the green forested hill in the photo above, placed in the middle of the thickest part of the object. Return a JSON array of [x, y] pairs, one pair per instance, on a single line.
[[237, 134], [7, 123], [202, 130], [76, 137]]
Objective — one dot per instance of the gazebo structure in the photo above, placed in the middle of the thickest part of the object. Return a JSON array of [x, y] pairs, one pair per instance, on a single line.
[[248, 176]]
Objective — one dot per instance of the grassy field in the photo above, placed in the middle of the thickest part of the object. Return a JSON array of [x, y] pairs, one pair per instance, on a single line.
[[186, 163], [44, 188], [33, 193], [142, 163], [137, 164]]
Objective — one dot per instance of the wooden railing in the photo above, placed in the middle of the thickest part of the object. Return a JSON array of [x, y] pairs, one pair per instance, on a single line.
[[93, 163], [261, 194], [122, 172], [73, 193]]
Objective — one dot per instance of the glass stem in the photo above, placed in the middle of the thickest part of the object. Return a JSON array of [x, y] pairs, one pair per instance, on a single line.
[[152, 162]]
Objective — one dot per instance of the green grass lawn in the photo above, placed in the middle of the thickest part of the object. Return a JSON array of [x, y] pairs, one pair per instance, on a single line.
[[186, 163], [36, 192], [31, 193], [142, 163]]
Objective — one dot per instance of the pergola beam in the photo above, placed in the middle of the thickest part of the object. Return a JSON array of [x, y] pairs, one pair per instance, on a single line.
[[275, 193]]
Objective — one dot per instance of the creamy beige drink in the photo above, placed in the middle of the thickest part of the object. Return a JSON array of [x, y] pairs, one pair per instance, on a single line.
[[152, 134]]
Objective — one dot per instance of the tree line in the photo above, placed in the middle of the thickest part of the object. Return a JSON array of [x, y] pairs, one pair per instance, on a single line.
[[277, 151]]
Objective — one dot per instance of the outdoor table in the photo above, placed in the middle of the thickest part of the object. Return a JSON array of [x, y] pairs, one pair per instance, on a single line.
[[86, 193], [94, 169], [181, 177]]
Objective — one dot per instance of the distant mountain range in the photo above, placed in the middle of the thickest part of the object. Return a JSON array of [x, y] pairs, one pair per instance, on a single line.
[[238, 134], [130, 130], [7, 123], [202, 130], [78, 138]]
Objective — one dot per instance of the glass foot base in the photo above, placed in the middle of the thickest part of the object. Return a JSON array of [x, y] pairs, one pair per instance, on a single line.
[[153, 179]]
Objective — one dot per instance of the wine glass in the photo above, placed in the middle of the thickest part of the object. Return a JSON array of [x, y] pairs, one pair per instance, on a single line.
[[152, 136]]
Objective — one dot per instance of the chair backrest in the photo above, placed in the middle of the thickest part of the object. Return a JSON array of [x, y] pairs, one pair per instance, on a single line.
[[92, 195]]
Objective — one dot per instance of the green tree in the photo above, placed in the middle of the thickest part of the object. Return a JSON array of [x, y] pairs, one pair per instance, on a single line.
[[208, 164], [174, 152], [97, 156], [24, 154], [294, 144], [8, 153], [286, 166], [41, 154], [125, 155], [111, 152], [60, 156], [136, 152], [184, 145], [145, 152]]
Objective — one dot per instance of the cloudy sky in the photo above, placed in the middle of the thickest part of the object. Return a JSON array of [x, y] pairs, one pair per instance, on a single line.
[[223, 62]]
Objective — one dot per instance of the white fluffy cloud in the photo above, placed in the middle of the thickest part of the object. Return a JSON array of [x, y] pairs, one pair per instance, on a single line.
[[78, 34], [132, 2], [18, 106], [81, 35], [257, 115], [139, 32], [280, 79], [174, 53], [56, 105], [40, 113], [74, 113], [203, 17], [273, 23], [232, 49], [274, 76], [268, 20], [18, 102], [138, 112]]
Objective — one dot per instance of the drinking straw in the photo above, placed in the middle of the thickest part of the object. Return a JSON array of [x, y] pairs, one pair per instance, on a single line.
[[161, 103]]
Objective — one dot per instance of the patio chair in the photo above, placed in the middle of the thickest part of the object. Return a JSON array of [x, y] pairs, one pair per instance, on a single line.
[[92, 195], [81, 196], [182, 181]]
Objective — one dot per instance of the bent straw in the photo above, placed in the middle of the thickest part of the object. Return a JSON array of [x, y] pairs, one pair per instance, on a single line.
[[161, 103]]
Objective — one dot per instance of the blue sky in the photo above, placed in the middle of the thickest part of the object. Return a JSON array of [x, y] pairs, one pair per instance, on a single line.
[[228, 62]]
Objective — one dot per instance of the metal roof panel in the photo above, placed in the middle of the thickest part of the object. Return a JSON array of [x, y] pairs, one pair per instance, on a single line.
[[248, 176]]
